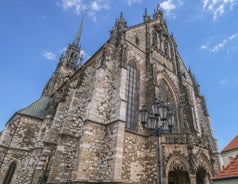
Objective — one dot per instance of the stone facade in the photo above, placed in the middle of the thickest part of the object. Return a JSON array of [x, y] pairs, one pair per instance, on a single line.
[[77, 131]]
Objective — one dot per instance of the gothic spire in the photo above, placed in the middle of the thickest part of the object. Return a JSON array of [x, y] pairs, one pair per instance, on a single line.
[[158, 13], [146, 16], [79, 32], [121, 23]]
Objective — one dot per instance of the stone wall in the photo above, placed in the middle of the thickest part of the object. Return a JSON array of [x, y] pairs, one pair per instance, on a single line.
[[67, 127], [136, 36], [17, 143], [26, 164], [65, 157], [139, 157], [100, 151]]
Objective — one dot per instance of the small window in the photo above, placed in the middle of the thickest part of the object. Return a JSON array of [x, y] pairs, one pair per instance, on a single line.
[[166, 49], [155, 40], [10, 173], [171, 53]]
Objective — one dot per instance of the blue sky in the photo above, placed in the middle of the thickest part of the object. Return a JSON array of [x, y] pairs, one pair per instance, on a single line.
[[34, 34]]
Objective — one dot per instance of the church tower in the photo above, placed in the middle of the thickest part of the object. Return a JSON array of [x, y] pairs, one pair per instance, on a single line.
[[68, 64]]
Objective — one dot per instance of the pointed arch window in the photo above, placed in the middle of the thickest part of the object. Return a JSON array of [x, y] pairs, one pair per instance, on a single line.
[[164, 92], [10, 173], [132, 95]]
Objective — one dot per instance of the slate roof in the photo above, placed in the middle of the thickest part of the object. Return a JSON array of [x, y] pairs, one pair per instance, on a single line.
[[230, 171], [232, 145], [37, 108]]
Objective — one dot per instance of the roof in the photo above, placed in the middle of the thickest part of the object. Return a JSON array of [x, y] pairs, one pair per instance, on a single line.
[[232, 145], [37, 108], [230, 171]]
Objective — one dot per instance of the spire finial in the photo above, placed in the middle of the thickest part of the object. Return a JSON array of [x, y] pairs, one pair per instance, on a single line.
[[146, 17], [145, 14], [158, 7], [158, 13], [121, 15], [79, 32]]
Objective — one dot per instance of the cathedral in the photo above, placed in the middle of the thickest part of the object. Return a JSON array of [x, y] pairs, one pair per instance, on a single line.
[[93, 121]]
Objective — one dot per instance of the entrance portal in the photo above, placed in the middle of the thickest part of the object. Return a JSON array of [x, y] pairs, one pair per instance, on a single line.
[[201, 176], [178, 177]]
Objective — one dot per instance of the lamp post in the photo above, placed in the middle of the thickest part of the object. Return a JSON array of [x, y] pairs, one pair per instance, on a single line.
[[161, 121]]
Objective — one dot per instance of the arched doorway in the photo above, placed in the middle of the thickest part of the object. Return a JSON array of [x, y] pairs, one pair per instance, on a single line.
[[204, 170], [202, 176], [177, 170], [178, 177]]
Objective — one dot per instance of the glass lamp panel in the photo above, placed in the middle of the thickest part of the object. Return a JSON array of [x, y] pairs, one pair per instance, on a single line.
[[155, 107], [152, 122], [143, 115], [170, 119], [163, 110]]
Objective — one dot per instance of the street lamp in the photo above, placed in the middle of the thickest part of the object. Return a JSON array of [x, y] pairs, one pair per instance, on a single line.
[[161, 121]]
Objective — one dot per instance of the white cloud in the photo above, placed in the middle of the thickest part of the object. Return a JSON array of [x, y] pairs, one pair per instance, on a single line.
[[98, 5], [203, 47], [85, 55], [218, 46], [228, 81], [92, 7], [62, 50], [224, 42], [205, 2], [76, 5], [52, 56], [234, 36], [224, 81], [170, 5], [219, 11], [218, 7], [130, 2], [49, 55]]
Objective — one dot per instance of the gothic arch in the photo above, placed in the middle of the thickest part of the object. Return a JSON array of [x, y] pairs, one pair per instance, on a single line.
[[170, 84], [203, 162], [202, 169], [177, 161], [177, 169], [162, 41], [134, 62], [170, 93]]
